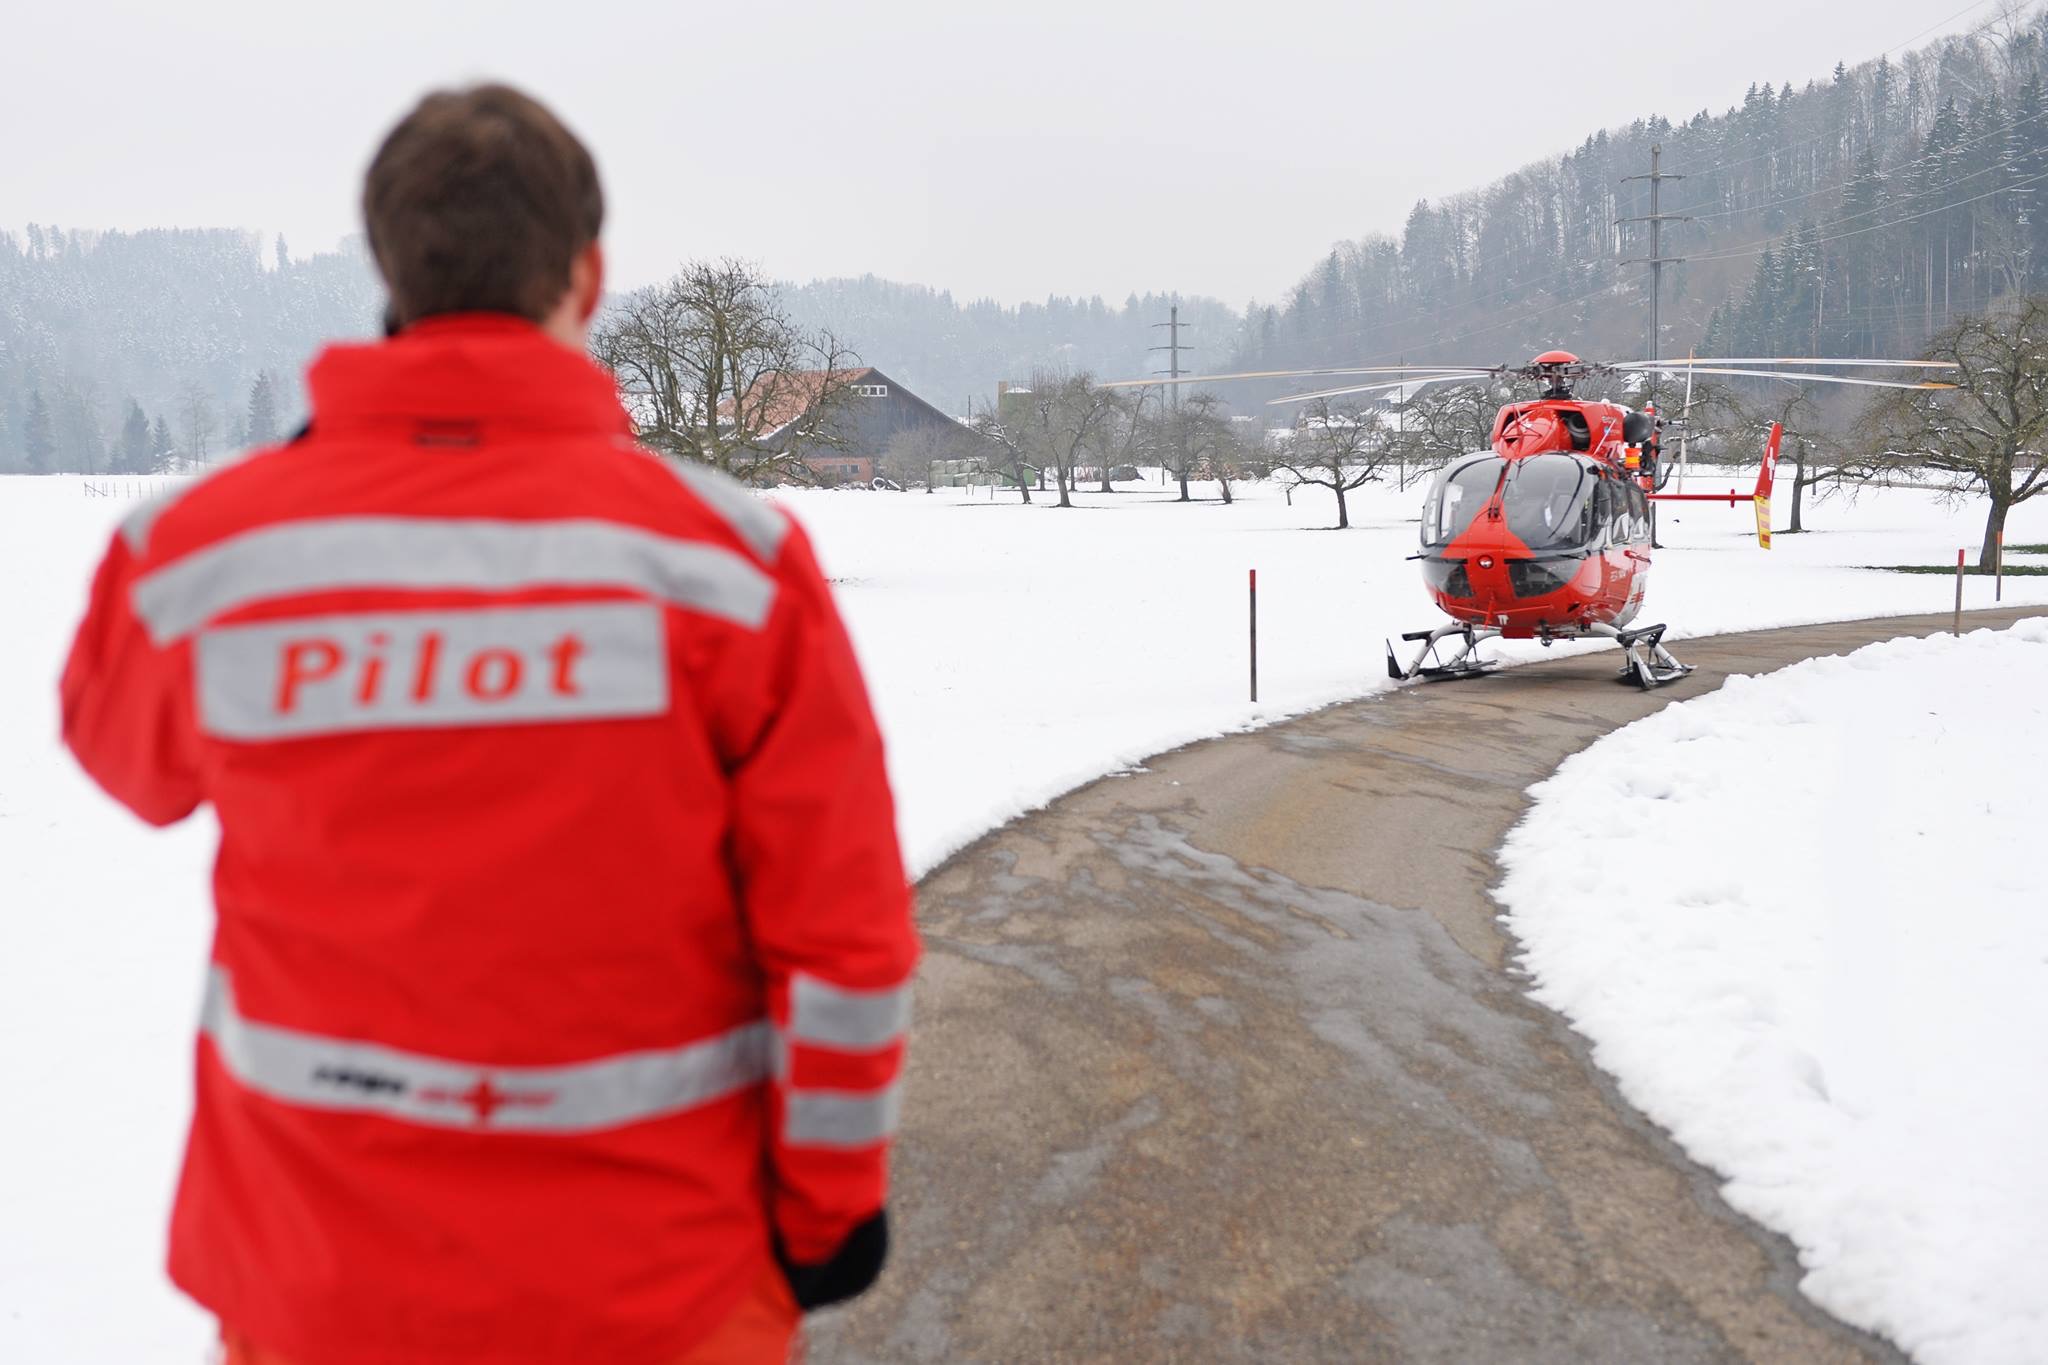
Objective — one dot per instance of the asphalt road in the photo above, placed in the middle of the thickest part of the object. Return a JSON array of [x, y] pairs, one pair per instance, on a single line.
[[1228, 1060]]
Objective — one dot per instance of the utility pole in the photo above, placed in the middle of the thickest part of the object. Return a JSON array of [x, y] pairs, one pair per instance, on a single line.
[[1656, 260], [1173, 348], [1173, 371]]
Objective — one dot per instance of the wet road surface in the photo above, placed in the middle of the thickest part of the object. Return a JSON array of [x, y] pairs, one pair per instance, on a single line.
[[1228, 1060]]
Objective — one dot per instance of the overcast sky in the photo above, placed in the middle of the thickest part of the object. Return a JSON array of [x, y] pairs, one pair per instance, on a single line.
[[1053, 147]]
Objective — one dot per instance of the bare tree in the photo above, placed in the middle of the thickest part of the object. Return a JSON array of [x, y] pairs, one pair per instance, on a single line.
[[1005, 443], [1341, 450], [713, 370], [911, 452], [1444, 422], [1200, 441], [1169, 433], [1820, 459], [1059, 419], [1125, 432], [1986, 437]]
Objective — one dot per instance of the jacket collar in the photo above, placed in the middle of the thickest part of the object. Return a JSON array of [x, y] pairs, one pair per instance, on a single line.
[[473, 372]]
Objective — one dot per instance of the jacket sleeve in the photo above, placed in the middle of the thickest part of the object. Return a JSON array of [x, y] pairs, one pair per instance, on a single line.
[[127, 702], [822, 886]]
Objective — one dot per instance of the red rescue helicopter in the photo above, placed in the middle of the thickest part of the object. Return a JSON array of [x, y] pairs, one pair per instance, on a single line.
[[1547, 535]]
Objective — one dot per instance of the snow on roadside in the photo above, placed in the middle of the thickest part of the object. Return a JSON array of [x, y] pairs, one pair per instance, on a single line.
[[1817, 952]]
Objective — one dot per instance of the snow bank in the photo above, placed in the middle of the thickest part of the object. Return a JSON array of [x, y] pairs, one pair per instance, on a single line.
[[1823, 965], [1013, 653]]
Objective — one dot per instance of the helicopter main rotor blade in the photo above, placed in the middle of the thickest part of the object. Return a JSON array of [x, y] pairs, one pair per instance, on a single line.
[[1295, 374], [1806, 378], [1676, 365], [1456, 377]]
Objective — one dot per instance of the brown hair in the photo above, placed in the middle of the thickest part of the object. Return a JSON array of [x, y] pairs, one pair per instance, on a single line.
[[479, 200]]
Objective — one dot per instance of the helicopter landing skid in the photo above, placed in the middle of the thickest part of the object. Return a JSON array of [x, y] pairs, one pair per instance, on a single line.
[[1464, 663], [1646, 662]]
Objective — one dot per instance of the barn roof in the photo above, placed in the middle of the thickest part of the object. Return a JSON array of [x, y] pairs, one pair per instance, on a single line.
[[790, 396]]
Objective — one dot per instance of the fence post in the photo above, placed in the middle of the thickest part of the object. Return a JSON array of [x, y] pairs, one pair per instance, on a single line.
[[1255, 634], [1959, 593]]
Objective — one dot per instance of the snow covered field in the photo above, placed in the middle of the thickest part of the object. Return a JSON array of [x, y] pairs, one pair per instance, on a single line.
[[1013, 653], [1826, 971]]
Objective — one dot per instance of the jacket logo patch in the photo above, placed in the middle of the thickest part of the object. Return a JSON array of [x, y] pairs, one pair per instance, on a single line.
[[335, 674], [485, 1099]]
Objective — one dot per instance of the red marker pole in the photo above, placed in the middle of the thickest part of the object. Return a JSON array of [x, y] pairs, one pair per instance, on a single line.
[[1959, 593], [1255, 634]]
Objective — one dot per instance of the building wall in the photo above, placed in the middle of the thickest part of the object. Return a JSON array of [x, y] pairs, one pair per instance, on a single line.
[[874, 419]]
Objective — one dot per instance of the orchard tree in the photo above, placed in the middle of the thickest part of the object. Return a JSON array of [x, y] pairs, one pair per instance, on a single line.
[[911, 452], [1004, 442], [714, 370], [1197, 439], [1987, 437], [1059, 420], [1341, 449], [1443, 422], [1819, 459], [1126, 432]]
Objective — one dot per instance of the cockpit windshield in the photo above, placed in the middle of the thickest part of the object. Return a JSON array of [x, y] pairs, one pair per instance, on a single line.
[[1461, 490], [1547, 500]]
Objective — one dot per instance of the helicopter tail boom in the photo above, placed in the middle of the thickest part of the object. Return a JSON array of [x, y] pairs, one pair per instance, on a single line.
[[1766, 480]]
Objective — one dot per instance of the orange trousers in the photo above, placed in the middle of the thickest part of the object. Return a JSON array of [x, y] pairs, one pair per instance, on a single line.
[[763, 1330]]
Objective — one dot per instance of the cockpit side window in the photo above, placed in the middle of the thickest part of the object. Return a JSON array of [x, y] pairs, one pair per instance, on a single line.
[[1460, 492]]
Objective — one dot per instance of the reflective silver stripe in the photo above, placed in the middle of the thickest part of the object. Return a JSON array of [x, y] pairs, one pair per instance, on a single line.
[[325, 675], [761, 526], [856, 1021], [359, 1077], [836, 1118], [422, 552]]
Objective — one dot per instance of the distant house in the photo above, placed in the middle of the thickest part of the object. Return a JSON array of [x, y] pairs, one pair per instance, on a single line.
[[873, 410]]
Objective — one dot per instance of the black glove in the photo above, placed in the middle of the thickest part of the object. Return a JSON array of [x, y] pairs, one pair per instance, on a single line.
[[849, 1271]]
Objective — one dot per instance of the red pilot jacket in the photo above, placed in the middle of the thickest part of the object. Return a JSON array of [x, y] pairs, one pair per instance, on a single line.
[[564, 942]]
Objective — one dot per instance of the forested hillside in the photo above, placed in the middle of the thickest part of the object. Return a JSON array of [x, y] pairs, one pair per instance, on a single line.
[[176, 324], [1853, 215]]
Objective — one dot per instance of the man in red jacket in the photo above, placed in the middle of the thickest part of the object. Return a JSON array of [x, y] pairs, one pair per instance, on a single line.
[[557, 1002]]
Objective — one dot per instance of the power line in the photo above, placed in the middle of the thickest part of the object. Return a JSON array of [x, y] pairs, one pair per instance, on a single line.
[[1900, 169], [1879, 227]]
